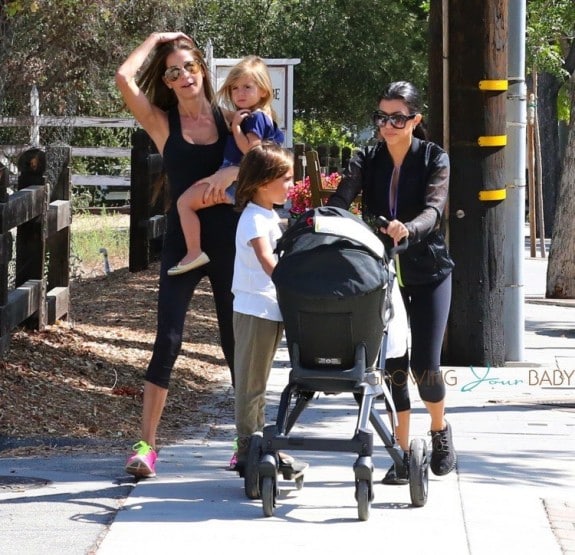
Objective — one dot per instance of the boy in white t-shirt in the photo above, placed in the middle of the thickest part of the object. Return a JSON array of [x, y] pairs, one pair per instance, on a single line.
[[264, 179]]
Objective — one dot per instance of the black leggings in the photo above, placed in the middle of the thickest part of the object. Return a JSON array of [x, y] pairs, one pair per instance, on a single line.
[[428, 309], [176, 292]]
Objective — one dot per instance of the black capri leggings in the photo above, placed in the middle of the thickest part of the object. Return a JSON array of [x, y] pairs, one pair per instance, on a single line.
[[176, 292], [427, 309]]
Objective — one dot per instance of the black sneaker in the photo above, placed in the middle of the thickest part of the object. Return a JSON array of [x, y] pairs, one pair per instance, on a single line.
[[443, 457], [398, 477]]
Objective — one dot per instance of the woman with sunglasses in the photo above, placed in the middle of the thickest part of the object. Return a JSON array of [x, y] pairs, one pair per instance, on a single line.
[[405, 178], [165, 84]]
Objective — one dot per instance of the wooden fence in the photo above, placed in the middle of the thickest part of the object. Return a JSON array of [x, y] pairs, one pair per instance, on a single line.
[[112, 187], [330, 158], [36, 217], [38, 214]]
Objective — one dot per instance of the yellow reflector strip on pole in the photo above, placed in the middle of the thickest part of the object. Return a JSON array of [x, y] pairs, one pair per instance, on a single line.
[[493, 194], [493, 140], [493, 85]]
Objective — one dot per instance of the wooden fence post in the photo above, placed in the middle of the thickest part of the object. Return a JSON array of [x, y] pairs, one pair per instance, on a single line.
[[299, 161], [5, 257], [313, 168], [323, 154], [345, 157], [58, 176], [334, 160], [32, 235], [146, 220]]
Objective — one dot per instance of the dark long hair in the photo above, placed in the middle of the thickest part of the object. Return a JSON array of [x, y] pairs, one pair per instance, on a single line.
[[409, 95], [151, 80]]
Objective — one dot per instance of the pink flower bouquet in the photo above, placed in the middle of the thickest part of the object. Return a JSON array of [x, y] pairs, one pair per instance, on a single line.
[[300, 194]]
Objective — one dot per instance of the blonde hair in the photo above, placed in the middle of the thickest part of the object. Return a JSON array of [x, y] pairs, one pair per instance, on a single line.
[[261, 165], [256, 69]]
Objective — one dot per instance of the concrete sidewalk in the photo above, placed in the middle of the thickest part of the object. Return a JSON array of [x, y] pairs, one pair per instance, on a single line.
[[515, 481], [513, 491]]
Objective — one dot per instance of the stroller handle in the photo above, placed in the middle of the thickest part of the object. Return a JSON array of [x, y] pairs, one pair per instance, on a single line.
[[382, 221]]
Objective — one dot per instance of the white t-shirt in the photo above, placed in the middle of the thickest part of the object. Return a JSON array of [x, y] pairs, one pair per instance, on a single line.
[[254, 292]]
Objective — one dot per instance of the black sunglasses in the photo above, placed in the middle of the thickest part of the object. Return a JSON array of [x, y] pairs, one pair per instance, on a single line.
[[398, 121], [173, 73]]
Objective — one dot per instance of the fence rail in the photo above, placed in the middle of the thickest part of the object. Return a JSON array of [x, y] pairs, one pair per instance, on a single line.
[[40, 213], [66, 121], [35, 122]]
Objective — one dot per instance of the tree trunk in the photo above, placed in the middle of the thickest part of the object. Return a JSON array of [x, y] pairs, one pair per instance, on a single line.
[[547, 90], [437, 95], [561, 264]]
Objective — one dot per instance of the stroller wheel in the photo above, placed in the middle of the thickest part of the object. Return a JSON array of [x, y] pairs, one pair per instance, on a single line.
[[268, 494], [251, 471], [299, 482], [363, 499], [418, 472]]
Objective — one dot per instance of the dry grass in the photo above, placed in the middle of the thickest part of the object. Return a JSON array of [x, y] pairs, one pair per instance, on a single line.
[[82, 378]]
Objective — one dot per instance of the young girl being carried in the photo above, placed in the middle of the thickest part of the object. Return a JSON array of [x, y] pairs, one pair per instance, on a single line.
[[264, 179], [248, 90]]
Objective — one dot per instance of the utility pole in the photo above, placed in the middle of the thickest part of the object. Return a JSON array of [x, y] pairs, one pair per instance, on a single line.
[[477, 81], [513, 318]]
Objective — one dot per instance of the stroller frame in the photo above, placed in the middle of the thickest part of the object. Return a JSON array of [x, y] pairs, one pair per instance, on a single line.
[[302, 386], [366, 384]]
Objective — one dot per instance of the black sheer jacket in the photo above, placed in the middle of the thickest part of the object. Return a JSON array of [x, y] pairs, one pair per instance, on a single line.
[[422, 194]]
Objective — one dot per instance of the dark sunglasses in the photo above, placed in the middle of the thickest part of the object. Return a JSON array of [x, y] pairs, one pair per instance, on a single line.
[[398, 121], [173, 73]]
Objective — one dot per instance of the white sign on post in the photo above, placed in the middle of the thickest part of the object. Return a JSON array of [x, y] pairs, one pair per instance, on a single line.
[[281, 73]]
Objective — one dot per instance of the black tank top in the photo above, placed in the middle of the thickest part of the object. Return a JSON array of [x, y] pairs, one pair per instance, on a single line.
[[185, 163]]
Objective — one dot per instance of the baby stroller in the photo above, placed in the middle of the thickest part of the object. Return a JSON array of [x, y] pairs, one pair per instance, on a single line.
[[333, 284]]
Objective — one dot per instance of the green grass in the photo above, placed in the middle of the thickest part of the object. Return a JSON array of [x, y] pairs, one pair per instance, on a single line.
[[91, 232]]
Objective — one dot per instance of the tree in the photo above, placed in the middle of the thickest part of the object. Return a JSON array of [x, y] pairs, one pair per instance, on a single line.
[[348, 48], [561, 264], [551, 58], [348, 54], [551, 50]]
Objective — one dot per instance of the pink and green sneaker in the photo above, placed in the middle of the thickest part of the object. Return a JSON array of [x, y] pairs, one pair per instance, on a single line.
[[234, 460], [142, 464]]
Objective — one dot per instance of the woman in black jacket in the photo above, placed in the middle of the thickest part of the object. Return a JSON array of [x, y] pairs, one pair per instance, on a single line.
[[405, 178]]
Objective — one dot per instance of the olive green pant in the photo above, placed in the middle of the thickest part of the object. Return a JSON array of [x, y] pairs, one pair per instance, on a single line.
[[256, 342]]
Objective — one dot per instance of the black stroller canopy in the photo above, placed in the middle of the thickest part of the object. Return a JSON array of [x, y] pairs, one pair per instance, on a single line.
[[332, 283], [329, 252]]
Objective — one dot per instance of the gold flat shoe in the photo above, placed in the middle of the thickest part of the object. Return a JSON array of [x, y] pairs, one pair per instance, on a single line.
[[183, 268]]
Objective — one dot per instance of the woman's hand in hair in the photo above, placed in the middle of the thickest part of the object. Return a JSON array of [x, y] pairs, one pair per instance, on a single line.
[[170, 36]]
